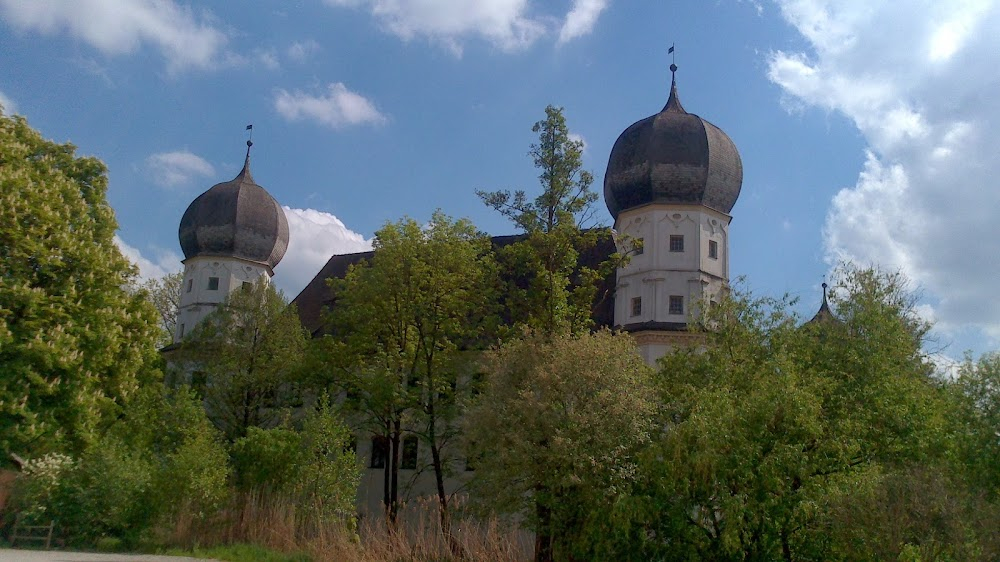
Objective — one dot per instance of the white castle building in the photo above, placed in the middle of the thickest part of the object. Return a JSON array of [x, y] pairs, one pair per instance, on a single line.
[[672, 180]]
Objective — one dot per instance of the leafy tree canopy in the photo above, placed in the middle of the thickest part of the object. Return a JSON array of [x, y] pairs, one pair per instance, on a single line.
[[549, 290], [74, 343], [246, 357]]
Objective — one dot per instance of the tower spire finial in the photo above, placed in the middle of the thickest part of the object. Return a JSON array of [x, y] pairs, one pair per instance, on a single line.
[[249, 142], [674, 101], [245, 172]]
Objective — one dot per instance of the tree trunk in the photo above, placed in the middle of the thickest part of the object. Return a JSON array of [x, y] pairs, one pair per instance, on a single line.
[[394, 475], [543, 536]]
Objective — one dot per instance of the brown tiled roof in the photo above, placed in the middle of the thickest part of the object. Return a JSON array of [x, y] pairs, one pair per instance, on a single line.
[[316, 298]]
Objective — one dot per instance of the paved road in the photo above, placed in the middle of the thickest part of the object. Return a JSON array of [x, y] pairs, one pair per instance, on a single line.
[[14, 555]]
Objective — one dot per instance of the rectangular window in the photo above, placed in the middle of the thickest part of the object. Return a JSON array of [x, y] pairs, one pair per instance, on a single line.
[[676, 243], [182, 331], [380, 450], [213, 283], [713, 249], [636, 306], [190, 285], [637, 247], [247, 286], [409, 459], [676, 304]]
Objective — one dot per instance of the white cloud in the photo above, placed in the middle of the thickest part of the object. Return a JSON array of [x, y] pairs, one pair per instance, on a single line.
[[338, 108], [313, 236], [510, 25], [301, 50], [9, 107], [116, 27], [172, 169], [921, 92], [164, 263], [579, 138], [581, 19]]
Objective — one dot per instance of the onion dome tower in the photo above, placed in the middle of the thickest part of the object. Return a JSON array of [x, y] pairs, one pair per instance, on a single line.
[[231, 235], [671, 182]]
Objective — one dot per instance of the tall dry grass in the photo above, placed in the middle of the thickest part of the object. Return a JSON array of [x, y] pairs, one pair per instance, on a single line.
[[278, 523]]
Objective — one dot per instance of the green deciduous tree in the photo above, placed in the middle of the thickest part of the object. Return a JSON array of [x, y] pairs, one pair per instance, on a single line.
[[549, 290], [771, 425], [74, 343], [249, 351], [558, 429], [400, 321], [164, 293], [160, 461], [313, 466]]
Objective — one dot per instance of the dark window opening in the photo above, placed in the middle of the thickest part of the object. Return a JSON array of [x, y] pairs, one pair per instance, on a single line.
[[636, 306], [637, 247], [676, 243], [409, 458], [198, 381], [713, 249], [213, 283], [676, 304], [247, 286], [190, 285], [380, 451]]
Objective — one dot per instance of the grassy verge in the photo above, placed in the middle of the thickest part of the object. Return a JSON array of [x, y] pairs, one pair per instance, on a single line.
[[240, 553]]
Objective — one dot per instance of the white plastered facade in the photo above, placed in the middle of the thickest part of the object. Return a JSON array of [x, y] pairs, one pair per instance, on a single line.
[[199, 298], [663, 274]]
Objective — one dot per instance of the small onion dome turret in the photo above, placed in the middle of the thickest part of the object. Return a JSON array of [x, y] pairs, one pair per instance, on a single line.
[[673, 157], [237, 219], [824, 315]]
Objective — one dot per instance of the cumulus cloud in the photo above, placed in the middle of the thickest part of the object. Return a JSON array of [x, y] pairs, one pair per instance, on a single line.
[[9, 107], [301, 50], [581, 19], [922, 93], [117, 27], [165, 261], [339, 107], [173, 169], [507, 24], [313, 236]]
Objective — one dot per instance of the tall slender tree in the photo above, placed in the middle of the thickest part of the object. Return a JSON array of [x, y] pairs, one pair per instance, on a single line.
[[249, 353], [549, 290], [403, 318]]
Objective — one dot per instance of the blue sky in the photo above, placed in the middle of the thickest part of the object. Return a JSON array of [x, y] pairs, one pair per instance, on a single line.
[[868, 129]]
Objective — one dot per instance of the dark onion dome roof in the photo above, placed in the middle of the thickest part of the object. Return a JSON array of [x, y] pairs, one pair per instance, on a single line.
[[238, 219], [673, 157]]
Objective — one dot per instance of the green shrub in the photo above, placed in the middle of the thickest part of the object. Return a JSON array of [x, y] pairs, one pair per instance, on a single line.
[[267, 459]]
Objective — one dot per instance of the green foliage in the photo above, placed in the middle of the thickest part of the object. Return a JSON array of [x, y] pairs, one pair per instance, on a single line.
[[267, 459], [559, 426], [74, 344], [770, 426], [977, 406], [162, 458], [164, 293], [250, 350], [328, 473], [548, 289], [313, 466], [400, 322]]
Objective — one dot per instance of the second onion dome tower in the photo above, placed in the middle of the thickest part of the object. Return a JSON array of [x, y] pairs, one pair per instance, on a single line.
[[671, 183]]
